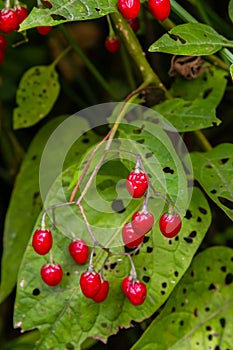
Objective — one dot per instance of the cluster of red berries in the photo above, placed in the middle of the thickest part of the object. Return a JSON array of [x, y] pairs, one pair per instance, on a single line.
[[92, 284]]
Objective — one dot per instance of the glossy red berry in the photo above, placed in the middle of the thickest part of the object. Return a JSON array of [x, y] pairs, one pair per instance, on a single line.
[[90, 283], [129, 8], [22, 13], [170, 224], [160, 9], [142, 222], [137, 183], [8, 21], [79, 251], [42, 241], [44, 30], [103, 292], [2, 56], [134, 24], [130, 238], [137, 293], [51, 274], [112, 44], [126, 282], [3, 43]]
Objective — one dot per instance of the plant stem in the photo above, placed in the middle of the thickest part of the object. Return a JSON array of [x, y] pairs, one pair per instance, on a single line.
[[89, 64], [202, 141], [60, 56], [134, 48]]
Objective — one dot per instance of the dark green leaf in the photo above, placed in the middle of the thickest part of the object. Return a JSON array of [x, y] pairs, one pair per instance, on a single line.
[[199, 314], [195, 108], [230, 10], [67, 11], [26, 202], [213, 170], [37, 92], [195, 39]]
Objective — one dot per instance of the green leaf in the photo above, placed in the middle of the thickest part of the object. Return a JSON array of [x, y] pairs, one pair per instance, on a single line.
[[36, 95], [62, 314], [199, 314], [67, 11], [231, 71], [230, 10], [195, 39], [213, 170], [195, 108], [26, 203]]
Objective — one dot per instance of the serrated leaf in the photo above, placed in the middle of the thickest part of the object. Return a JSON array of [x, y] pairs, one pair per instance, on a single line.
[[26, 203], [199, 313], [37, 92], [195, 108], [60, 313], [67, 11], [195, 39], [213, 170]]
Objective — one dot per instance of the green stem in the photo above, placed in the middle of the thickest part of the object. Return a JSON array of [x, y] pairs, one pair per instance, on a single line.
[[60, 56], [134, 48], [202, 140], [128, 68], [89, 64]]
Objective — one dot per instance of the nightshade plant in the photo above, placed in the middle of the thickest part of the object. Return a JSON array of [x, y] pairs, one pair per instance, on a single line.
[[114, 208]]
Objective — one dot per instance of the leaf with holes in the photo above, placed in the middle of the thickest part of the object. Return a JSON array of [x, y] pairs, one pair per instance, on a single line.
[[213, 170], [199, 314], [20, 219], [67, 11], [60, 313], [194, 104], [36, 95], [192, 39]]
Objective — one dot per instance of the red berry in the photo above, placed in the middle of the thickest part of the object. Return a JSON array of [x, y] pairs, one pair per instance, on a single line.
[[137, 293], [134, 24], [44, 30], [22, 13], [103, 292], [90, 283], [142, 222], [42, 241], [51, 274], [129, 8], [8, 21], [127, 281], [79, 251], [137, 183], [130, 238], [170, 224], [2, 56], [112, 44], [160, 9], [2, 43]]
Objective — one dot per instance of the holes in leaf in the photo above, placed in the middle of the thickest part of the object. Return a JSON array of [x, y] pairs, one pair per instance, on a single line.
[[223, 268], [68, 274], [199, 219], [141, 141], [222, 322], [162, 292], [57, 17], [210, 337], [181, 323], [208, 166], [164, 285], [173, 309], [207, 309], [188, 240], [34, 157], [104, 325], [207, 268], [168, 170], [195, 312], [118, 206], [113, 266], [146, 279], [36, 292], [177, 37], [148, 155], [149, 249], [193, 234], [208, 328], [188, 214], [69, 346], [176, 273], [202, 210], [182, 304], [97, 9], [226, 202], [184, 290], [177, 238], [213, 191], [217, 347], [224, 160], [170, 242], [146, 239], [85, 140], [192, 273], [212, 287], [229, 278]]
